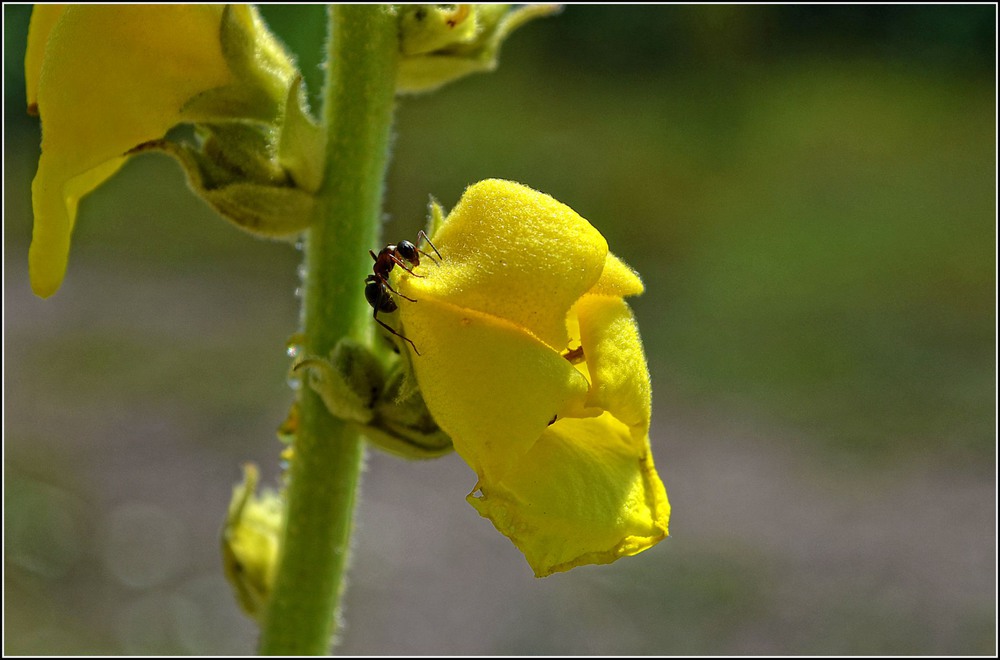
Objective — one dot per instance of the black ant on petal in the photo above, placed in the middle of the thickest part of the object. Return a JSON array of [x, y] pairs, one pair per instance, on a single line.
[[377, 285]]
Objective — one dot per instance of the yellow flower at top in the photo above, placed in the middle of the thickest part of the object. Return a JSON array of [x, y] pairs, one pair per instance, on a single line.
[[106, 79], [531, 361]]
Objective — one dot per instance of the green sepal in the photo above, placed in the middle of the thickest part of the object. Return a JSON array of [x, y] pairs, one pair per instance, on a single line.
[[302, 145], [263, 69], [435, 216], [270, 207], [426, 28], [271, 211], [349, 382], [408, 444], [388, 409], [239, 151], [403, 425], [260, 155]]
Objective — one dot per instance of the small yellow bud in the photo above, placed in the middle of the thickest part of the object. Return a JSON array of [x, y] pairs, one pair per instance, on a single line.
[[442, 43], [250, 542]]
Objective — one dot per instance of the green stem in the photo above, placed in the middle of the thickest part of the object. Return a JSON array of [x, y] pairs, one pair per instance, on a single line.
[[324, 474]]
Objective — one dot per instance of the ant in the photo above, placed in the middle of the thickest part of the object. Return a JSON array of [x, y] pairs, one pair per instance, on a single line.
[[377, 284]]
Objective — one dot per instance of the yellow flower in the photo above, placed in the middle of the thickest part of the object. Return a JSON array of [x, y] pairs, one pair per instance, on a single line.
[[109, 79], [531, 361]]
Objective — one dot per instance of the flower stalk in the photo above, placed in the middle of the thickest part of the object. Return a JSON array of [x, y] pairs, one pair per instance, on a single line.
[[324, 474]]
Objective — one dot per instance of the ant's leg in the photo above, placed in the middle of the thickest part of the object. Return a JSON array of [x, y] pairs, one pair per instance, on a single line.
[[389, 286], [399, 262], [429, 256], [423, 235], [375, 316]]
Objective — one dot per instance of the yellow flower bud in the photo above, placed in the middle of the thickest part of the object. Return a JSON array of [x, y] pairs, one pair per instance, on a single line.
[[250, 542], [531, 361]]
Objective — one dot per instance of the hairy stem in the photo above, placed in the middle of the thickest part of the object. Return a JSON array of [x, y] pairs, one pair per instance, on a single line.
[[324, 473]]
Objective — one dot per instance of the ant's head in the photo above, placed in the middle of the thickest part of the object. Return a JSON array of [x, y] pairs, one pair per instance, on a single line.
[[407, 250]]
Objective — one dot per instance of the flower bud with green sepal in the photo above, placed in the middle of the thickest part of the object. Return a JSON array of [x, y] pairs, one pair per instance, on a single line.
[[442, 43], [251, 541], [386, 407], [349, 383], [403, 425]]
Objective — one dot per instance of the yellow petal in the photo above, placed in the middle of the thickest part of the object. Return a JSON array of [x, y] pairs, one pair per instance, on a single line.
[[615, 361], [111, 78], [515, 253], [491, 386], [114, 77], [617, 279], [54, 204], [43, 18], [586, 493]]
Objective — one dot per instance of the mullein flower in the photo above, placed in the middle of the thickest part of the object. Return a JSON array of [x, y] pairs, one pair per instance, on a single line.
[[531, 361], [110, 81]]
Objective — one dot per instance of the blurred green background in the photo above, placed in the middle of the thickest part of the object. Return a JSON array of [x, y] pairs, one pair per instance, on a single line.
[[809, 194]]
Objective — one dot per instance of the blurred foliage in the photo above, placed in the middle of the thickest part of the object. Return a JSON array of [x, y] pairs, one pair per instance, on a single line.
[[616, 39], [808, 192]]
